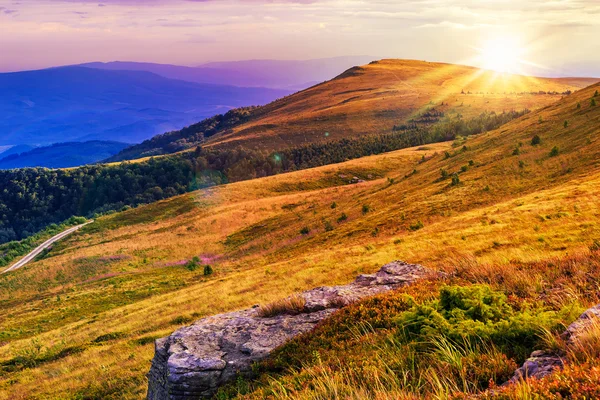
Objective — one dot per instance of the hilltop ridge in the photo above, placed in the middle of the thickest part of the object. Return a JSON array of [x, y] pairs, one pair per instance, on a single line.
[[366, 100]]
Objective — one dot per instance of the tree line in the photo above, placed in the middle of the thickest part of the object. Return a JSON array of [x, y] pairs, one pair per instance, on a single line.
[[33, 198]]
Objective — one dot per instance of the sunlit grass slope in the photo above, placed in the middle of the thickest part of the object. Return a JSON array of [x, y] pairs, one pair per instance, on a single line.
[[373, 98], [80, 322]]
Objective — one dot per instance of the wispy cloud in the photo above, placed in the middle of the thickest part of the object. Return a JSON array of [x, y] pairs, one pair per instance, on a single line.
[[38, 33]]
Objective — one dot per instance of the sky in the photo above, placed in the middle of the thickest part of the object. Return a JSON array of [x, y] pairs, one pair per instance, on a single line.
[[551, 37]]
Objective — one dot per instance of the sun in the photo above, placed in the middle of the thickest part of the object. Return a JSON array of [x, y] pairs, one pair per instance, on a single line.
[[501, 54]]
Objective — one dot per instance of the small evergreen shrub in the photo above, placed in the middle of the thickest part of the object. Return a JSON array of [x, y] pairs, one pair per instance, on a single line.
[[536, 140], [365, 209], [208, 270], [181, 320], [193, 264], [455, 179], [554, 152], [416, 226], [342, 218], [305, 230]]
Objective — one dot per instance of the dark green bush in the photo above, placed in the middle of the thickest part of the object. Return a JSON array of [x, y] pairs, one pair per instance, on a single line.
[[416, 226], [181, 320], [108, 337], [193, 264], [478, 314], [455, 179]]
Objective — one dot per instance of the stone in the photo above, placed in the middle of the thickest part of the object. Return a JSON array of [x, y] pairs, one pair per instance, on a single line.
[[538, 365], [582, 324], [542, 363], [196, 360]]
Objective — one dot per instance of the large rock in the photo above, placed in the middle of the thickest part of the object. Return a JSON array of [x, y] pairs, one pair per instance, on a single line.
[[196, 360], [542, 363]]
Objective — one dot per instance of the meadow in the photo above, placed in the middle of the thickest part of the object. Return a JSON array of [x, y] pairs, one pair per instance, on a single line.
[[80, 322]]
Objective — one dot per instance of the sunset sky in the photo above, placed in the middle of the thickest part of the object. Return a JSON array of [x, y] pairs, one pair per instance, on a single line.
[[554, 37]]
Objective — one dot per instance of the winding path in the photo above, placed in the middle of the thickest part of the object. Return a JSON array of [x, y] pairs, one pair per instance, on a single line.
[[23, 261]]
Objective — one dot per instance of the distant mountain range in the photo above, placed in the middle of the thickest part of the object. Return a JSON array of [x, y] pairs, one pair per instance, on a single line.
[[62, 155], [130, 102], [282, 74], [78, 104]]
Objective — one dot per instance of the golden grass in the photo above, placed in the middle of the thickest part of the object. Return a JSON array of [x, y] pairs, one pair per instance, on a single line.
[[124, 273]]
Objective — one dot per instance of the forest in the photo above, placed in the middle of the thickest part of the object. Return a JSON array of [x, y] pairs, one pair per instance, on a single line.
[[187, 137], [33, 198]]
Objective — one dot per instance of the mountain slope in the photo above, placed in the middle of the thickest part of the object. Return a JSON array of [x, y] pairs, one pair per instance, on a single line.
[[131, 277], [373, 99], [76, 103], [63, 155]]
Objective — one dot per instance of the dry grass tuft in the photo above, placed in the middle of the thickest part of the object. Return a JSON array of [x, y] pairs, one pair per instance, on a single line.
[[586, 345], [292, 305]]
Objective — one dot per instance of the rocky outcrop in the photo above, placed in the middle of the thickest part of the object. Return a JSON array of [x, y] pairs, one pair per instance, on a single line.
[[542, 363], [196, 360]]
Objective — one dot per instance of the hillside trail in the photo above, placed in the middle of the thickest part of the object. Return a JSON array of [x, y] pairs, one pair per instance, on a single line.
[[33, 254]]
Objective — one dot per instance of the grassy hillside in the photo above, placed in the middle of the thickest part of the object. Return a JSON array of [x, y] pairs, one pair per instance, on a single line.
[[81, 321], [375, 97], [371, 99]]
